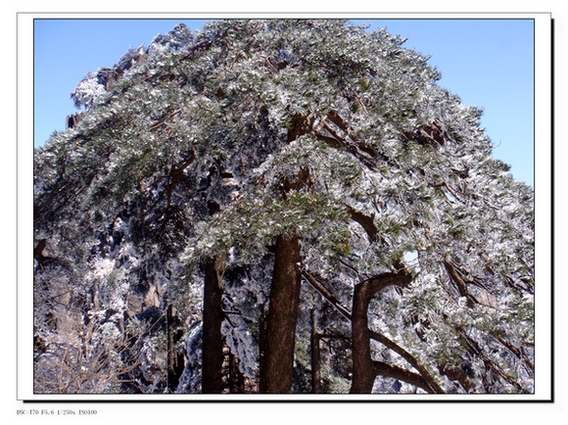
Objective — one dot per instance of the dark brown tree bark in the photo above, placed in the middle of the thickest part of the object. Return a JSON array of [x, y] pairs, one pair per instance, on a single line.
[[212, 348], [385, 369], [278, 361], [212, 319], [278, 364], [364, 372], [261, 347]]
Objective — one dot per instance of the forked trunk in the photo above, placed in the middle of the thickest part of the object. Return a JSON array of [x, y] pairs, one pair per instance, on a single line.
[[364, 373]]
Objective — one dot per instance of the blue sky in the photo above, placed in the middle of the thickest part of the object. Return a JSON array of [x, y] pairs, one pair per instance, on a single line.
[[487, 63]]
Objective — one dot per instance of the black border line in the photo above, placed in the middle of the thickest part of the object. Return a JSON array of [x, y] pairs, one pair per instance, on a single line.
[[552, 215]]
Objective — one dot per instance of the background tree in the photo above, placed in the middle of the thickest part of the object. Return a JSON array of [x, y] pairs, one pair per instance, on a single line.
[[224, 168]]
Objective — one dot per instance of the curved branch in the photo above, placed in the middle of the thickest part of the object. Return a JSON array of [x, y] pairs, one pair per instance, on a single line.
[[428, 379], [363, 372], [434, 387], [366, 222], [335, 303], [385, 369], [369, 287]]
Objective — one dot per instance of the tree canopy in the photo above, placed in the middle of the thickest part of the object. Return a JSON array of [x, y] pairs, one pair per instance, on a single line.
[[279, 206]]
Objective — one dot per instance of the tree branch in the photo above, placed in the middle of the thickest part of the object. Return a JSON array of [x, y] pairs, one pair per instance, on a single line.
[[343, 125], [474, 348], [163, 120], [434, 387], [428, 379], [385, 369], [365, 221], [359, 149], [327, 295], [460, 283], [371, 286]]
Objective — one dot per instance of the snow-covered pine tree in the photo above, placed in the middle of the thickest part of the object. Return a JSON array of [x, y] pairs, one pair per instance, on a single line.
[[284, 166]]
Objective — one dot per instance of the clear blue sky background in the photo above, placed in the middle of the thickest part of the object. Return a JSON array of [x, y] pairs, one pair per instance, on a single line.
[[487, 63]]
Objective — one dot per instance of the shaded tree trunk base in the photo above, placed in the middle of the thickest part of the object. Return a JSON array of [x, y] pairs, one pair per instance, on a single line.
[[212, 318], [278, 362]]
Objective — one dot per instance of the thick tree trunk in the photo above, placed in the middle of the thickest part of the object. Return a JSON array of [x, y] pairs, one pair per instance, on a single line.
[[212, 319], [278, 364], [363, 368], [364, 372], [261, 348]]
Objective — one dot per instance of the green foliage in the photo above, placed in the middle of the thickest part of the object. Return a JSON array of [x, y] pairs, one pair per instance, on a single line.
[[218, 142]]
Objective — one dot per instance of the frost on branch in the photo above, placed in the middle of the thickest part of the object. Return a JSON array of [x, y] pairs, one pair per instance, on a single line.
[[89, 90], [212, 147]]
